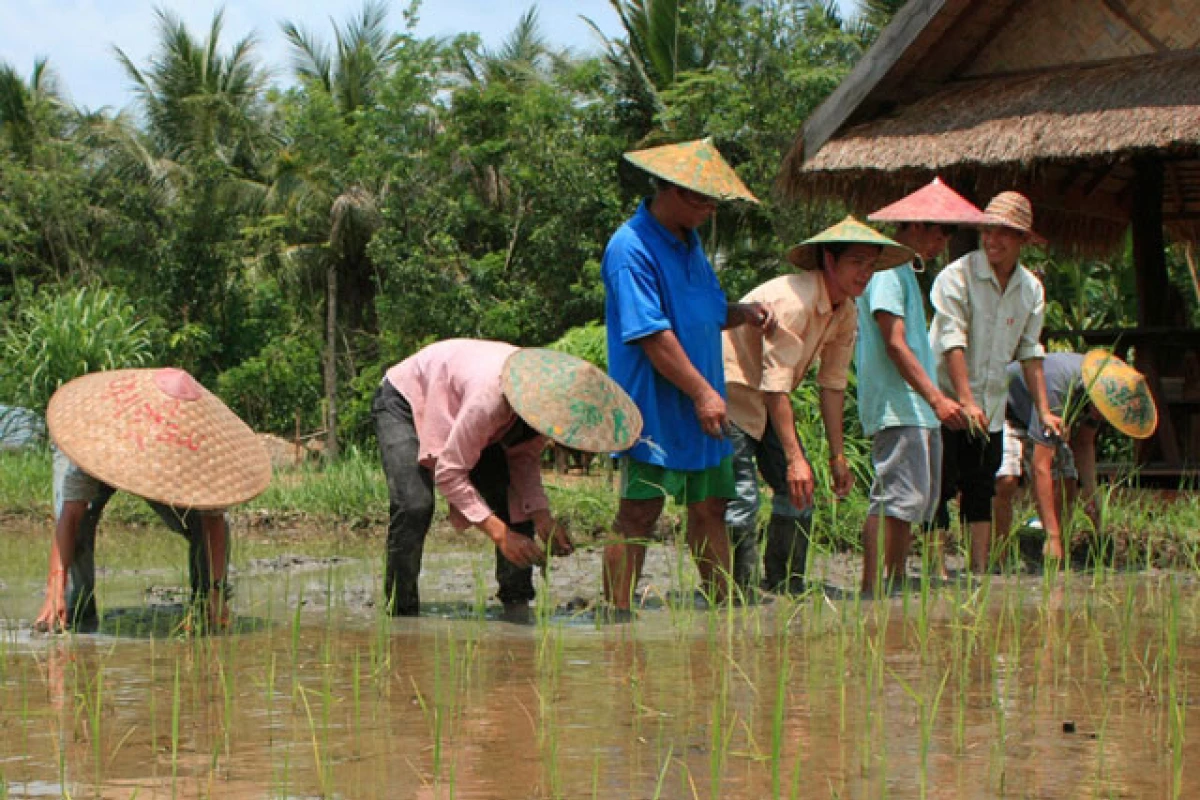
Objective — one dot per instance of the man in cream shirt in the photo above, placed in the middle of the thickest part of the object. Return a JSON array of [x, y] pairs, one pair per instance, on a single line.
[[988, 311]]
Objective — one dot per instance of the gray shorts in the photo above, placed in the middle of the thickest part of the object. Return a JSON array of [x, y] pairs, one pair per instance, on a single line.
[[1018, 456], [908, 473]]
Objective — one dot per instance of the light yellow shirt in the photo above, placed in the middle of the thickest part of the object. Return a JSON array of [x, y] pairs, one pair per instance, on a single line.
[[809, 327], [993, 327]]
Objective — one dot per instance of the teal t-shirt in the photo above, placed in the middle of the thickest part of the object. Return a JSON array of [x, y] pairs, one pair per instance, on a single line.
[[885, 400]]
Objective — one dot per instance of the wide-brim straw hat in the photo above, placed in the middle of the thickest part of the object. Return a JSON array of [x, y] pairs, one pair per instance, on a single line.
[[695, 165], [159, 434], [935, 204], [570, 400], [850, 231], [1012, 210], [1120, 393]]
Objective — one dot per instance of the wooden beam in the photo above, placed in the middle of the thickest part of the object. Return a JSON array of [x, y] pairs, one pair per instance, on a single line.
[[1118, 9], [895, 40]]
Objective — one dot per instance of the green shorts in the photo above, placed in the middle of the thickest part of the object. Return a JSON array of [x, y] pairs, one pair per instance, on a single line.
[[641, 481]]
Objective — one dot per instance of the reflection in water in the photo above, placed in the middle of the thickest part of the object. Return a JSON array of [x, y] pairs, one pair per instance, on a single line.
[[1066, 688]]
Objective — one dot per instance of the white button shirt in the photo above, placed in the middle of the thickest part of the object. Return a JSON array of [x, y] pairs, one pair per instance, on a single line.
[[993, 327]]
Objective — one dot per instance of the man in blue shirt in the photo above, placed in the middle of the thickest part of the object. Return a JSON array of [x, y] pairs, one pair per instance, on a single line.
[[899, 402], [665, 311]]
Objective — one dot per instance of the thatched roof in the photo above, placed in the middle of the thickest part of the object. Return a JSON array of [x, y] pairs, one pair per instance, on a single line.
[[1063, 117]]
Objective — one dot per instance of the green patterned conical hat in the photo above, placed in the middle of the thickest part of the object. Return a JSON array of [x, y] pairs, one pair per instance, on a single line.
[[695, 165], [571, 401], [850, 231], [1120, 393]]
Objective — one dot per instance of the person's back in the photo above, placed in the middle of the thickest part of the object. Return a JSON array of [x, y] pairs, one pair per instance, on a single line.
[[885, 398]]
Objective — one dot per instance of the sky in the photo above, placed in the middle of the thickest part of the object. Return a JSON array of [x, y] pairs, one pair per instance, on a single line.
[[78, 36]]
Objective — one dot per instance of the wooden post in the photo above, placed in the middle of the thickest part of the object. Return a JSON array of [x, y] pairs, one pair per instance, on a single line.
[[1153, 288]]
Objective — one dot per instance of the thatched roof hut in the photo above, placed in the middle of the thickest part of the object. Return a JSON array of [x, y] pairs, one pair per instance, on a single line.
[[1057, 98], [1089, 107]]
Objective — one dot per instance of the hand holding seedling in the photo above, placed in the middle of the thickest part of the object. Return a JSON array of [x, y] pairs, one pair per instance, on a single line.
[[553, 534]]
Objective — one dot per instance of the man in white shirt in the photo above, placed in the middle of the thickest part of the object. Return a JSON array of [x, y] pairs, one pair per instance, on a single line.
[[988, 311]]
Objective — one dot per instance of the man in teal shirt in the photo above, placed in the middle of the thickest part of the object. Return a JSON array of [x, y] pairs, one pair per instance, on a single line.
[[899, 402]]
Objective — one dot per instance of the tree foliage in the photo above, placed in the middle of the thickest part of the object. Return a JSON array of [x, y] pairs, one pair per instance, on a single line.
[[288, 245]]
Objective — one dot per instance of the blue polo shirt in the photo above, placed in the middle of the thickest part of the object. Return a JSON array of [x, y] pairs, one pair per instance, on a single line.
[[885, 400], [654, 282]]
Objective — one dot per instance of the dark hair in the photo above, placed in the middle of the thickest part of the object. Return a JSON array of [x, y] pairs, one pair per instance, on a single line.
[[834, 249]]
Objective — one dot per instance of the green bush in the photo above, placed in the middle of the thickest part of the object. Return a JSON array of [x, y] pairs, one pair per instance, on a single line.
[[59, 334], [282, 381], [588, 342]]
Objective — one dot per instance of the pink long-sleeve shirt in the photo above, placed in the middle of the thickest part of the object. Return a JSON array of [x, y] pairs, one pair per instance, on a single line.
[[459, 409]]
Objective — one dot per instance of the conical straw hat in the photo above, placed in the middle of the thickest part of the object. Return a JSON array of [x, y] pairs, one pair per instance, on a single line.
[[695, 165], [850, 231], [1120, 393], [159, 434], [934, 203], [571, 401]]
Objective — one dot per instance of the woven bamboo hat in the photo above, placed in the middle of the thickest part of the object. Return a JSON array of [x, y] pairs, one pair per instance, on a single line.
[[1120, 393], [1012, 210], [695, 165], [570, 400], [934, 203], [850, 231], [159, 434]]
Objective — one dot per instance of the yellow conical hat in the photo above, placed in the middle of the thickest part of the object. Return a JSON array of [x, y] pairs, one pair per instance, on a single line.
[[850, 231], [695, 165], [1120, 393]]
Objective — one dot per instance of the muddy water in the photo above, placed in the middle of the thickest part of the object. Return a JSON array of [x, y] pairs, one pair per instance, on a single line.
[[1081, 686]]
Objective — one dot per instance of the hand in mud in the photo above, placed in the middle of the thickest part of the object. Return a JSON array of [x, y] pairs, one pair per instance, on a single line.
[[53, 616], [800, 483], [1053, 549], [710, 410], [521, 550]]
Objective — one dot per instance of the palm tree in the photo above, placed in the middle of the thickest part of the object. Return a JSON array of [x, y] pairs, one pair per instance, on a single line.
[[658, 47], [364, 52], [29, 110], [202, 106], [340, 214]]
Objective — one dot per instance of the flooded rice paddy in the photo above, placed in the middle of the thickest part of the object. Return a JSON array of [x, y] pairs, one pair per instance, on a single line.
[[1072, 685]]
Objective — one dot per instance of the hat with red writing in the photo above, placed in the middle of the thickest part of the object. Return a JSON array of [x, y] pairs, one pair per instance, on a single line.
[[159, 434]]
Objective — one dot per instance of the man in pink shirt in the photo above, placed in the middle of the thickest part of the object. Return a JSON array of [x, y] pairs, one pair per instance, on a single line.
[[472, 418]]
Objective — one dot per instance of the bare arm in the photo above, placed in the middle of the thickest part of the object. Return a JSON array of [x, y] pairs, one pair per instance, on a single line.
[[758, 315], [956, 367], [1035, 379], [669, 359], [949, 412], [832, 414]]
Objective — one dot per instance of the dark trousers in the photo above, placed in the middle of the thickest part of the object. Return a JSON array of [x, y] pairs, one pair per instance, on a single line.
[[411, 503], [969, 464], [81, 577]]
